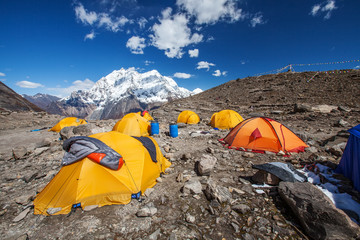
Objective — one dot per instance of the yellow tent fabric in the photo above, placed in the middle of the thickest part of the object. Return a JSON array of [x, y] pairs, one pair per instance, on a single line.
[[146, 115], [188, 117], [134, 125], [225, 119], [67, 122], [89, 183]]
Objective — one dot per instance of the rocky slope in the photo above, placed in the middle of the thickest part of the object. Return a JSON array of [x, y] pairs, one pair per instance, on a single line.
[[11, 101], [185, 205]]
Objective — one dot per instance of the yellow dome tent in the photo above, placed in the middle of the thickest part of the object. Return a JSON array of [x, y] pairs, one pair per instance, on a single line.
[[225, 119], [188, 117], [67, 122], [146, 115], [87, 183], [133, 124]]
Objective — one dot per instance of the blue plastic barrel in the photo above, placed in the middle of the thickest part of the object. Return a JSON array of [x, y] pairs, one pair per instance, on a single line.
[[154, 128], [173, 130]]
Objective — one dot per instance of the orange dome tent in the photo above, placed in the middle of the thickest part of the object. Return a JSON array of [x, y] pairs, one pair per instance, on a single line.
[[86, 183], [225, 119], [133, 124], [68, 122], [263, 134], [146, 115], [188, 117]]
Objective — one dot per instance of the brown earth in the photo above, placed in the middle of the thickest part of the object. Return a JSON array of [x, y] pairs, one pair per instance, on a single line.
[[181, 215]]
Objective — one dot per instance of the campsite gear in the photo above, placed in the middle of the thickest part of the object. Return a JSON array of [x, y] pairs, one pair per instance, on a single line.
[[154, 128], [67, 122], [261, 134], [225, 119], [349, 164], [133, 124], [146, 115], [188, 117], [87, 183], [284, 171], [79, 147], [173, 130]]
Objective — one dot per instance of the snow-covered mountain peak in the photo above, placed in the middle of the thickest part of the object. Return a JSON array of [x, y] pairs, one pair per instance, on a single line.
[[148, 87]]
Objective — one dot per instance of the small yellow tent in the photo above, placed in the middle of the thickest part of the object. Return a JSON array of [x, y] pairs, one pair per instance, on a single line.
[[225, 119], [88, 183], [133, 124], [67, 122], [188, 117], [146, 115]]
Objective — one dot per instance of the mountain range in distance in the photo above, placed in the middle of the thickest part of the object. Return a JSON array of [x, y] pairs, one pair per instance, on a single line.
[[114, 95]]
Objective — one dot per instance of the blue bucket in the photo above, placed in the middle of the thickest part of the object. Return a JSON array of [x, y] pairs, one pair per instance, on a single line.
[[154, 128], [173, 130]]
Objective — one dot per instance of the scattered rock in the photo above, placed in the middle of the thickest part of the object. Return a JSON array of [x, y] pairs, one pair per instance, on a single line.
[[19, 152], [206, 164], [147, 211], [193, 186], [22, 215], [215, 191], [241, 208], [262, 177]]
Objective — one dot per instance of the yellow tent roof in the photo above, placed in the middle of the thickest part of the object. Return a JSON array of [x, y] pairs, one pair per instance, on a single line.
[[225, 119], [146, 115], [67, 122], [89, 183], [188, 117], [133, 124]]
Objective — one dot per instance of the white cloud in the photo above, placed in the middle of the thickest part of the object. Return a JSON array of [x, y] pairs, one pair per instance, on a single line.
[[204, 64], [85, 16], [326, 7], [2, 74], [315, 9], [357, 67], [27, 84], [172, 34], [76, 85], [218, 73], [136, 45], [257, 19], [102, 19], [194, 53], [211, 11], [110, 23], [182, 75], [142, 22], [89, 36], [147, 62]]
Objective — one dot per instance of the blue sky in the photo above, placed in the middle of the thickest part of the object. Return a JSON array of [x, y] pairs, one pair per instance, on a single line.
[[57, 47]]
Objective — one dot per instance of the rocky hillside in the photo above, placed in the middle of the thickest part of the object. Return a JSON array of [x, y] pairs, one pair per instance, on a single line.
[[224, 203], [11, 101]]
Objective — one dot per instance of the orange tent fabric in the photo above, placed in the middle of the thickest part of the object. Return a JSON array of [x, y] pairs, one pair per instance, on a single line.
[[263, 134]]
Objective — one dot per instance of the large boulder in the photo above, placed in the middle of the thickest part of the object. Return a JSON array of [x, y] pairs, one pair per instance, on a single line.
[[316, 212]]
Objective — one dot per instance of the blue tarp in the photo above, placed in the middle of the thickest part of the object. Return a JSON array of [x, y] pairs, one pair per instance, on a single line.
[[349, 164]]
